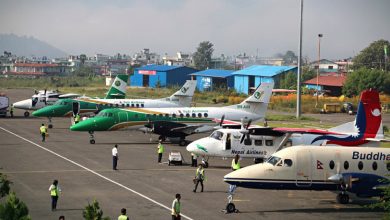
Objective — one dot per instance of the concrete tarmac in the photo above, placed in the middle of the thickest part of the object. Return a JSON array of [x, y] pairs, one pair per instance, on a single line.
[[141, 185]]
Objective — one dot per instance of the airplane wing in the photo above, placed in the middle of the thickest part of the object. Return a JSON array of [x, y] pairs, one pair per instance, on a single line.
[[188, 129], [69, 96], [307, 131]]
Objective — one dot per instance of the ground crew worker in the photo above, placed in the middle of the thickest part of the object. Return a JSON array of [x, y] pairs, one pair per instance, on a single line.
[[123, 215], [236, 163], [160, 150], [76, 118], [199, 177], [11, 111], [115, 157], [176, 206], [54, 193], [194, 160], [43, 131]]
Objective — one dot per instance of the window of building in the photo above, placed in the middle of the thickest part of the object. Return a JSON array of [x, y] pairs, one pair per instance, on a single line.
[[346, 165], [331, 164], [374, 165], [330, 67], [360, 165]]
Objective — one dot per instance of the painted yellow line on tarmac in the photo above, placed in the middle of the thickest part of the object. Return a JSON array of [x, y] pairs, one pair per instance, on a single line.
[[95, 173]]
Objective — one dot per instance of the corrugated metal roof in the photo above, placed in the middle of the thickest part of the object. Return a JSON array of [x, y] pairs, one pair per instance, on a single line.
[[263, 70], [160, 68], [214, 73], [327, 81]]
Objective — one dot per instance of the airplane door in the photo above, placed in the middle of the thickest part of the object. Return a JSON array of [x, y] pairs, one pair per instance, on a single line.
[[122, 116], [304, 166], [228, 142], [75, 108]]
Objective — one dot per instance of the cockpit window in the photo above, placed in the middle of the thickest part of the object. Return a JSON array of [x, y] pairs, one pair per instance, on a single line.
[[273, 160], [217, 135]]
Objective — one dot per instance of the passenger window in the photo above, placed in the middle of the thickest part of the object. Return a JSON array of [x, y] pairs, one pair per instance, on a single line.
[[360, 165], [123, 105], [160, 115], [331, 164], [187, 115], [181, 115], [247, 141], [132, 105], [111, 105], [137, 105], [206, 115], [258, 142], [288, 162], [199, 115], [128, 105], [374, 165], [346, 165], [193, 115], [174, 115], [269, 142], [167, 115], [142, 105], [116, 105]]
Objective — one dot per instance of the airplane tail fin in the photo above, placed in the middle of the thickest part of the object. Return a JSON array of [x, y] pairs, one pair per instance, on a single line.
[[368, 121], [118, 88], [257, 103], [184, 95]]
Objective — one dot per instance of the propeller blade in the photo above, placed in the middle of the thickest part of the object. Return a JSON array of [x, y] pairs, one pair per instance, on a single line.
[[242, 138], [222, 119], [249, 123]]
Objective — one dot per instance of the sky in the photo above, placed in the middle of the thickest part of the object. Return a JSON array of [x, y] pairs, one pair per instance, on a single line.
[[254, 27]]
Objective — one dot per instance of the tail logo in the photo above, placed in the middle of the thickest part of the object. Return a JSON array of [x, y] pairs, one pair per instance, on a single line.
[[376, 112], [258, 95], [118, 83], [184, 89]]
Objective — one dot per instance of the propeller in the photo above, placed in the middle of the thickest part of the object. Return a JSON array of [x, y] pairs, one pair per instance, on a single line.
[[344, 180], [222, 119], [245, 130]]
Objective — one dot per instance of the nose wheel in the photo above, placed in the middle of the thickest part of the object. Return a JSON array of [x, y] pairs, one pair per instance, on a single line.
[[91, 137], [230, 207], [26, 114]]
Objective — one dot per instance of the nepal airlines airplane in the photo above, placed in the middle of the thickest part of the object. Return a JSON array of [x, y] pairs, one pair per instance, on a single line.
[[88, 106], [178, 119], [261, 142], [357, 170]]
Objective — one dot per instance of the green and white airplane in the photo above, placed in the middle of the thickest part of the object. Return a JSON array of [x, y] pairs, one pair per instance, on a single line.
[[178, 122], [88, 106]]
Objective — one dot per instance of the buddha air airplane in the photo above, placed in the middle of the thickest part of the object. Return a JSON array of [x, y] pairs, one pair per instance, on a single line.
[[260, 142], [177, 120], [88, 106], [40, 100], [358, 170]]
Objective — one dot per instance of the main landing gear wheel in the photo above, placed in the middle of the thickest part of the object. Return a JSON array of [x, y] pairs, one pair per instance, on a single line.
[[162, 138], [26, 114], [230, 208], [92, 141], [343, 198], [91, 137]]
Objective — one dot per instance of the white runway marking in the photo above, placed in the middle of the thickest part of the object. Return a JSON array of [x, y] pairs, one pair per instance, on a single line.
[[97, 174]]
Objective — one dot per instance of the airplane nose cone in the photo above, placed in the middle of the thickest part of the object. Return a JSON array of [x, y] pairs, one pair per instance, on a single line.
[[93, 124], [52, 111], [25, 104], [43, 112], [191, 147]]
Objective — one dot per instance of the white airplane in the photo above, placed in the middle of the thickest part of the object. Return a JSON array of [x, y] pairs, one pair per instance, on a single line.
[[41, 99], [178, 121], [260, 142], [357, 170]]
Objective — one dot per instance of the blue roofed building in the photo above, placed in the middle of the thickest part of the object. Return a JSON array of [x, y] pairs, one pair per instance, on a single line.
[[160, 75], [210, 79], [246, 80]]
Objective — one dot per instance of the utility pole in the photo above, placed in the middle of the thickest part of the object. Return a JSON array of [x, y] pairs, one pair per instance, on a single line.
[[318, 63], [299, 65]]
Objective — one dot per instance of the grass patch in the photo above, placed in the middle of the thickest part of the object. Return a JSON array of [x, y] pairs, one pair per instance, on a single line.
[[274, 117]]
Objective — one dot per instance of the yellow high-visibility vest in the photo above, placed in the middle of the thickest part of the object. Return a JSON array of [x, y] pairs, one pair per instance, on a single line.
[[122, 217], [236, 166], [43, 129], [176, 207], [54, 191], [160, 149], [200, 172], [77, 118]]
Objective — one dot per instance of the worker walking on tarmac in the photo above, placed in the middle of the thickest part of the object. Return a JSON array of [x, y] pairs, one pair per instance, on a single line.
[[11, 111], [160, 150], [199, 177], [176, 206], [123, 215], [43, 131], [77, 118], [115, 157], [54, 193], [236, 163]]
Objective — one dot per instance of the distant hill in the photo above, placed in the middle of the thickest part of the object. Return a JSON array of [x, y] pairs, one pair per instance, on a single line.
[[28, 46]]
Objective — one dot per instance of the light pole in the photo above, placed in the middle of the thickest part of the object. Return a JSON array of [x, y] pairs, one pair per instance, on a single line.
[[318, 63], [298, 115]]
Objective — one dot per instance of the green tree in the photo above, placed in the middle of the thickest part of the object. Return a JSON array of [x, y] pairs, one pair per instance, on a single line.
[[363, 78], [14, 209], [202, 56], [372, 57], [93, 212], [4, 185], [84, 71], [384, 203], [290, 58]]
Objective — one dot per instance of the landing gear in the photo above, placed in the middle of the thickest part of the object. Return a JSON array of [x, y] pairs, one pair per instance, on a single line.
[[182, 142], [205, 163], [91, 137], [162, 138], [50, 124], [343, 198], [230, 207], [26, 114]]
